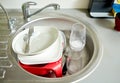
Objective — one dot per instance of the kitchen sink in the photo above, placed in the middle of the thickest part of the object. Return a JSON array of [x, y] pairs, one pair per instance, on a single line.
[[63, 22]]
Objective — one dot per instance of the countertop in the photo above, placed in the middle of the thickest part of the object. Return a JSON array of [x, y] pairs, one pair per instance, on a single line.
[[108, 70], [109, 67]]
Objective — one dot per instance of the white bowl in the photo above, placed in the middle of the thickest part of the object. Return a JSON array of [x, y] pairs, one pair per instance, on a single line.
[[51, 53], [44, 57], [43, 38]]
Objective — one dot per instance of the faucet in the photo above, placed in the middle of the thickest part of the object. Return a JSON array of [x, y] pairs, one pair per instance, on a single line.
[[27, 15], [26, 9]]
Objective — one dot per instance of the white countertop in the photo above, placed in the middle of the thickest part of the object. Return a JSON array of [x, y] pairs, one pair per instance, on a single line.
[[109, 67]]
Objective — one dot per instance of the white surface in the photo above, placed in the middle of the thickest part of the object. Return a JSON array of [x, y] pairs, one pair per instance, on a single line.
[[13, 4], [101, 14]]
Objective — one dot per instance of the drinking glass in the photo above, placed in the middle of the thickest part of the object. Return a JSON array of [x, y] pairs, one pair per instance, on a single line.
[[74, 62], [76, 42], [78, 37]]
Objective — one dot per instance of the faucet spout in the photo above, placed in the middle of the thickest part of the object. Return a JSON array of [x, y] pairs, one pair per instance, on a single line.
[[55, 6], [26, 9]]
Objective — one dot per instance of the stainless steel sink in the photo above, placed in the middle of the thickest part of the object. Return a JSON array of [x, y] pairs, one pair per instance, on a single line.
[[63, 22]]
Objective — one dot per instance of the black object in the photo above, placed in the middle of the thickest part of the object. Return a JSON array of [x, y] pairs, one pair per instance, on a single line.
[[118, 15], [64, 69], [101, 8]]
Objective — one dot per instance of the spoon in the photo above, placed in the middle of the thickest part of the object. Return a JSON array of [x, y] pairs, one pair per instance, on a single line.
[[27, 39]]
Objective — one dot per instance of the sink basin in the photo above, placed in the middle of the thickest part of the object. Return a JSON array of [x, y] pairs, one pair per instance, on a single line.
[[64, 23]]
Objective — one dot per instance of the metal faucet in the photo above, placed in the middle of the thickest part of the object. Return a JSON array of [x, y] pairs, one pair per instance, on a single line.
[[26, 9], [27, 15]]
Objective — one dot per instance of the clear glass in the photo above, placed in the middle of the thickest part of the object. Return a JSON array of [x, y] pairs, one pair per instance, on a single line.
[[74, 62], [77, 37], [77, 42]]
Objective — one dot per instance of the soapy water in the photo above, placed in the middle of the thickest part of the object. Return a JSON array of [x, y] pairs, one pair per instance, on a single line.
[[76, 45]]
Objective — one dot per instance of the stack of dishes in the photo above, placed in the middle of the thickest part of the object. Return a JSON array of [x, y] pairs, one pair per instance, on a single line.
[[46, 48]]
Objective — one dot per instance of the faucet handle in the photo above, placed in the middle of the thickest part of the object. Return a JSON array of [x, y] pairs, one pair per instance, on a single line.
[[27, 4], [56, 6], [25, 9]]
